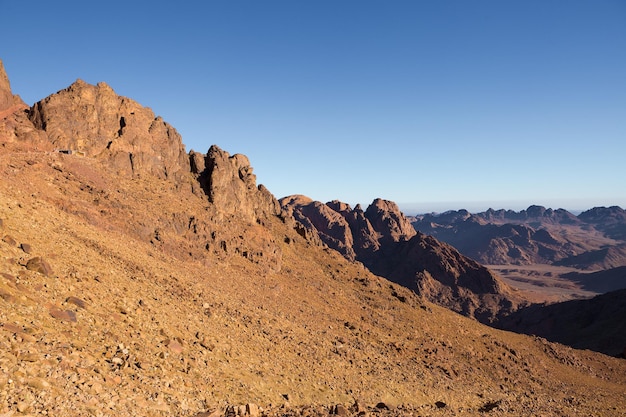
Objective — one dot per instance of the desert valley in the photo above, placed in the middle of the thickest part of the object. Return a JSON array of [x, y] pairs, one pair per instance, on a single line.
[[139, 279]]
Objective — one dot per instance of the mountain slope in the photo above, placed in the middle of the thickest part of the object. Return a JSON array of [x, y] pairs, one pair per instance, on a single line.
[[382, 238], [135, 293], [596, 324]]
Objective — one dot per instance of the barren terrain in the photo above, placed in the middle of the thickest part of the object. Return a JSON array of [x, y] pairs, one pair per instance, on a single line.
[[541, 283], [125, 291]]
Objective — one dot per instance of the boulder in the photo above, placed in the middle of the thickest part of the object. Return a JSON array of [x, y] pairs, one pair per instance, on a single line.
[[40, 265]]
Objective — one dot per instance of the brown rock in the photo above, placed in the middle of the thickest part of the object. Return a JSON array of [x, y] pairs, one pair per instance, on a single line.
[[252, 410], [229, 183], [9, 240], [13, 328], [40, 265], [64, 315], [340, 410], [174, 346], [387, 219], [76, 301], [26, 248], [330, 226], [384, 240]]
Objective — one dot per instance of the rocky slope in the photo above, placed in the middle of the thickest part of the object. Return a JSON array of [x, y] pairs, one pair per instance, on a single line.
[[382, 238], [138, 293], [596, 324]]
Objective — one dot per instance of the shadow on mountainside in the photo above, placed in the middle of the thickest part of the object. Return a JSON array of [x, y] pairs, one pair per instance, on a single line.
[[597, 324]]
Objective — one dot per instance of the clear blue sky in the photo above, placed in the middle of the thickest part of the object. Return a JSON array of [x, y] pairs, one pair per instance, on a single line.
[[433, 104]]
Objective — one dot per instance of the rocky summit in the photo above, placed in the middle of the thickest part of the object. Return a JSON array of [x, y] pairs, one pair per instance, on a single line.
[[137, 280], [383, 239]]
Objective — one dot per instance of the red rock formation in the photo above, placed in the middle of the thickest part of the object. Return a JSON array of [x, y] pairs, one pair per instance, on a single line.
[[94, 121], [384, 240]]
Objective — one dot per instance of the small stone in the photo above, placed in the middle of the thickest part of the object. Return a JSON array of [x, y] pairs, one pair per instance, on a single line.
[[9, 240], [341, 410], [252, 410], [40, 265], [382, 406], [26, 248], [30, 357], [440, 404], [22, 406], [174, 346], [38, 383], [65, 315], [76, 301]]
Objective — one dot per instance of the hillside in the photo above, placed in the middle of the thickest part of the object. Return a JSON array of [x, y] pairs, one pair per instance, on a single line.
[[597, 323], [139, 280]]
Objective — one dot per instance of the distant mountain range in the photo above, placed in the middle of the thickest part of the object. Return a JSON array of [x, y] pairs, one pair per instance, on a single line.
[[595, 239]]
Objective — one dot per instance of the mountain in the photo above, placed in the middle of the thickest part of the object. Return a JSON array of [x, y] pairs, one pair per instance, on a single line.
[[178, 286], [596, 323], [383, 239], [533, 236], [610, 220]]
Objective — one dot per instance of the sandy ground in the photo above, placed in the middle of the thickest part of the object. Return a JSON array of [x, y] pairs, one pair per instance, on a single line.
[[543, 283]]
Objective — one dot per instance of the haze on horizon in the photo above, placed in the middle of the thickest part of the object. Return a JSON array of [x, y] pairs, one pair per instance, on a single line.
[[434, 105]]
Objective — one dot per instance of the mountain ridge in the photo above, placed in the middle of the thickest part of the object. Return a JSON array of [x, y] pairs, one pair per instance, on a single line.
[[193, 294]]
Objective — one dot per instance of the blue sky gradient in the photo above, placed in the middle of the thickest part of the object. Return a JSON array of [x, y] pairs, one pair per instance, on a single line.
[[436, 105]]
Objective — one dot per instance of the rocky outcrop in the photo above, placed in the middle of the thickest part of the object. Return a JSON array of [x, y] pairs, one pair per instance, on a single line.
[[383, 239], [387, 219], [321, 220], [6, 96], [441, 274], [230, 185], [94, 121], [15, 128]]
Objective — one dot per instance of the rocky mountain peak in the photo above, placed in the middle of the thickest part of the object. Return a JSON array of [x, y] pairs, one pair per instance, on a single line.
[[92, 120], [230, 184], [6, 96], [387, 219], [383, 239]]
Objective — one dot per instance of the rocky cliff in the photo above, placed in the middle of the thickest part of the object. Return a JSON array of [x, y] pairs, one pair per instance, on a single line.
[[383, 239], [94, 121], [6, 96], [13, 119], [92, 124]]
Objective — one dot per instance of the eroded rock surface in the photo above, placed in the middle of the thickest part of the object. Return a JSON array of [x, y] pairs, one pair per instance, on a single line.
[[94, 121]]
